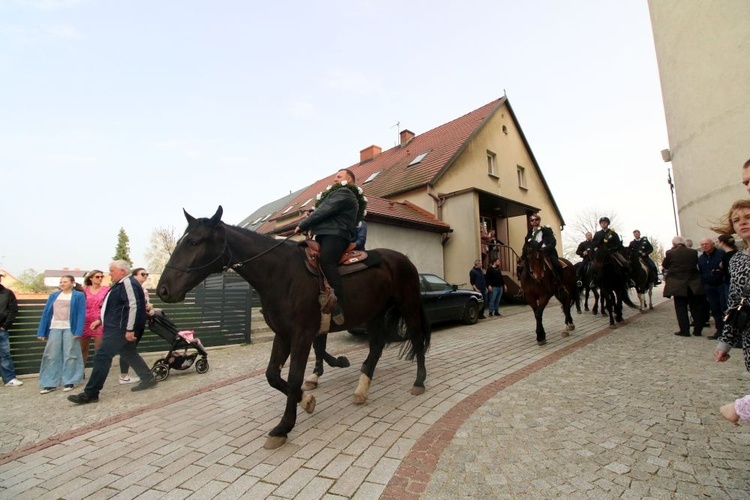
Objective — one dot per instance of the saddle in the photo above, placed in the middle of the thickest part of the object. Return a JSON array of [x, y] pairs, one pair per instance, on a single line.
[[349, 257]]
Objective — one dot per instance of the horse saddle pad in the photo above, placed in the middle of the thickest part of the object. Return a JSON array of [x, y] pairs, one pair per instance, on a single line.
[[351, 260]]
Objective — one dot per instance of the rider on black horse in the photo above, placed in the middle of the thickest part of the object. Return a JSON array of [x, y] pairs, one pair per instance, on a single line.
[[543, 238], [607, 238], [584, 252], [642, 247]]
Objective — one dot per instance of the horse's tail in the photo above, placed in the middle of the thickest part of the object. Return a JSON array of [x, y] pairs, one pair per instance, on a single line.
[[417, 340], [626, 298]]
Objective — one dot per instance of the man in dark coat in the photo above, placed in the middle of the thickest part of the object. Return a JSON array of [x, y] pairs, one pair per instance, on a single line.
[[334, 223], [641, 246], [479, 284], [543, 237], [584, 252], [712, 277], [683, 284]]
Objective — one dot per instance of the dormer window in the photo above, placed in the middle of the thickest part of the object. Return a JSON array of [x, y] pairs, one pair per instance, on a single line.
[[266, 217], [305, 203], [419, 158], [287, 209], [372, 177]]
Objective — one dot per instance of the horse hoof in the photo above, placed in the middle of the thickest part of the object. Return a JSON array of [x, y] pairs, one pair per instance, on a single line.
[[342, 362], [541, 342], [274, 442], [643, 311], [359, 399], [308, 403], [311, 383], [613, 327], [416, 390], [565, 334], [570, 327], [651, 307]]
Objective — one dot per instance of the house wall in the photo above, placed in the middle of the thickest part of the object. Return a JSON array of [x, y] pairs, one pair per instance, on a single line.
[[463, 246], [703, 50], [423, 248]]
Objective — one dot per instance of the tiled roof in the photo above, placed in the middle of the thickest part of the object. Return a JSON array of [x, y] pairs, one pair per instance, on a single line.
[[442, 145]]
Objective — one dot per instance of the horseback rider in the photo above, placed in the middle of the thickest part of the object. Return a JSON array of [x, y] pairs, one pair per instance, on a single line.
[[542, 237], [642, 247], [584, 252], [607, 238], [334, 223]]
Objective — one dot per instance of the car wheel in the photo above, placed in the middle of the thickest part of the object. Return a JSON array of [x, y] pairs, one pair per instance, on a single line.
[[471, 313]]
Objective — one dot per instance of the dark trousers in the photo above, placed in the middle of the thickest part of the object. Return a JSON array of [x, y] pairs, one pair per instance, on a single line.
[[713, 296], [331, 250], [114, 343], [695, 303], [484, 304], [123, 364]]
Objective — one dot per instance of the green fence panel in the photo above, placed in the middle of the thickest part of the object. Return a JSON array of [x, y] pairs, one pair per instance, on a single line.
[[218, 317]]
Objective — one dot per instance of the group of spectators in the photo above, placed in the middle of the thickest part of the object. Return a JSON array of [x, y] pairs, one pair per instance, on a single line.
[[711, 284], [491, 284], [114, 317]]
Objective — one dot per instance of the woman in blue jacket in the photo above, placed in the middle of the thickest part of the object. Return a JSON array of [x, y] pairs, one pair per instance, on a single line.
[[62, 321]]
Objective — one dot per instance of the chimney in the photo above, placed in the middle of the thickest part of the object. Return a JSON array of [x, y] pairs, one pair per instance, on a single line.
[[406, 136], [369, 153]]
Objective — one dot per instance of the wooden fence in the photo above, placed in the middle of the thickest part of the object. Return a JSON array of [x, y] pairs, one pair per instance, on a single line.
[[218, 317]]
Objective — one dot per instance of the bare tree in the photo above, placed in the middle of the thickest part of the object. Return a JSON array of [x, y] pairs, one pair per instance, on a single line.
[[658, 254], [163, 241], [585, 221]]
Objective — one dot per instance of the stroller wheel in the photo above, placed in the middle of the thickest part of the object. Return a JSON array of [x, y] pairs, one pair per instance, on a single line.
[[160, 370], [201, 366]]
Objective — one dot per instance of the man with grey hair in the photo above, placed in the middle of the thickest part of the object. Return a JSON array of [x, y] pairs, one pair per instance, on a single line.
[[683, 284], [123, 314]]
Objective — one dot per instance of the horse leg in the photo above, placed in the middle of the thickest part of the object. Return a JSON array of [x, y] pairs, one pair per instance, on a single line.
[[650, 299], [319, 346], [377, 343], [569, 326], [541, 335], [418, 329], [299, 351], [586, 299]]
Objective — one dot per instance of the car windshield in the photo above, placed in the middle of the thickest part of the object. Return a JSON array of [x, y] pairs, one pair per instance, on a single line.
[[432, 283]]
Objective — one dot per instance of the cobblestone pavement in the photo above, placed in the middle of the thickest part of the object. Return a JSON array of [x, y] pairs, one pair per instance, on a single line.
[[625, 413]]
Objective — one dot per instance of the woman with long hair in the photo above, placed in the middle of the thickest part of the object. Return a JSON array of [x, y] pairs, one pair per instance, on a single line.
[[736, 222], [95, 293], [62, 321]]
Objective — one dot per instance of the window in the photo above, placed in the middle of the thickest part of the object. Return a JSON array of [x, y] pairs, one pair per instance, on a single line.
[[372, 177], [418, 158], [491, 166], [522, 177], [287, 209], [305, 203]]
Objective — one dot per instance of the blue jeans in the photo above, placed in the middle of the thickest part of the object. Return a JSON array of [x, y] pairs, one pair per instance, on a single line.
[[495, 295], [6, 362], [62, 361], [114, 343]]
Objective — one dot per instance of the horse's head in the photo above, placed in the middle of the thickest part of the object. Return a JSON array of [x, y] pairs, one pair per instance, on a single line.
[[535, 262], [600, 256], [199, 252]]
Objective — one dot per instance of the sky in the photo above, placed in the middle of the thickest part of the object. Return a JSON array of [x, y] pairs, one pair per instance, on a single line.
[[120, 114]]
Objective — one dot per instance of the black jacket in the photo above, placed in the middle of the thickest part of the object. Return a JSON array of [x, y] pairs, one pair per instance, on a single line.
[[125, 309], [584, 246], [642, 246], [549, 242], [607, 238], [335, 216], [8, 308], [494, 277]]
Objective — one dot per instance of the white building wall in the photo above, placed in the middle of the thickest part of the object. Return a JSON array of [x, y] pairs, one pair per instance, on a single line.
[[424, 249], [703, 53]]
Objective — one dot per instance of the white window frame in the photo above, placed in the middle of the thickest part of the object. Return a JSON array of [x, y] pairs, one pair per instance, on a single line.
[[491, 164], [521, 177]]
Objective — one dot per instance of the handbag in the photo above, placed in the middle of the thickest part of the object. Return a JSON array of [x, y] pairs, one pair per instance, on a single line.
[[738, 316]]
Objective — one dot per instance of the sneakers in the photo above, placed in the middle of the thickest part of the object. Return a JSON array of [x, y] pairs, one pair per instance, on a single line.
[[129, 380], [82, 399], [68, 388], [14, 383], [145, 384], [47, 390]]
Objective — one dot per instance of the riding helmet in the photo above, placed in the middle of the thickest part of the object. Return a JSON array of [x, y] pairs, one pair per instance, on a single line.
[[603, 219]]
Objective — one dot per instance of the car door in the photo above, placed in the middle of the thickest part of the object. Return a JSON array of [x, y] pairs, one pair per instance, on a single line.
[[438, 298]]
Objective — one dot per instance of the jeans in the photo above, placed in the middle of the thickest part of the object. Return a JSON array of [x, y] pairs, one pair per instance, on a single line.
[[6, 362], [714, 295], [62, 361], [114, 343], [495, 295]]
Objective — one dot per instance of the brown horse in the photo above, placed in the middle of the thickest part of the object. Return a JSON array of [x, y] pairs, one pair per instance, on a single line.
[[386, 294], [538, 285]]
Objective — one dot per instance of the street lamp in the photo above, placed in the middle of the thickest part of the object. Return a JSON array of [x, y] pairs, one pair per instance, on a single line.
[[666, 155]]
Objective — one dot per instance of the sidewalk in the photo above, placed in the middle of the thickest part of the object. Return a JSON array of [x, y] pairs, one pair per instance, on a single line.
[[630, 413]]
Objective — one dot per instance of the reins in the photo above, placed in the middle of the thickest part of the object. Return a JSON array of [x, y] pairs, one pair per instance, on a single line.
[[242, 263]]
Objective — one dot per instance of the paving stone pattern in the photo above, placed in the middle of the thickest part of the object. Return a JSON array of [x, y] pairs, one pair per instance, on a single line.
[[625, 413]]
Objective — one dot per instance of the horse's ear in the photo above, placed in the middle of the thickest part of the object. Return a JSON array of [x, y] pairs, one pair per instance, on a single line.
[[217, 216], [189, 217]]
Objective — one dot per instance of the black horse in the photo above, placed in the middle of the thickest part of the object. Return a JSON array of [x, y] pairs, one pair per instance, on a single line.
[[386, 293], [612, 280], [538, 285], [588, 286], [644, 278]]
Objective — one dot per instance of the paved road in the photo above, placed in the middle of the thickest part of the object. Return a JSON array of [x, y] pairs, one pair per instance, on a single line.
[[625, 413]]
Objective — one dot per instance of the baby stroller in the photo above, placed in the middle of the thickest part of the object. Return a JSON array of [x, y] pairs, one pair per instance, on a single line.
[[179, 341]]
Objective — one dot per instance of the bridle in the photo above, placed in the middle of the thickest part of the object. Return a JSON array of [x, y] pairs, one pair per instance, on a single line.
[[227, 251]]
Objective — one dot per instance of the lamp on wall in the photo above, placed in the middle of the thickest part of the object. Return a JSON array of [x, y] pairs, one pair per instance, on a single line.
[[666, 155]]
